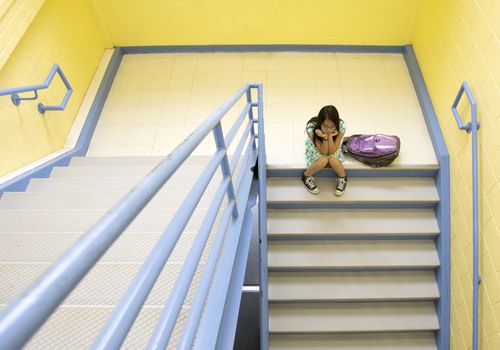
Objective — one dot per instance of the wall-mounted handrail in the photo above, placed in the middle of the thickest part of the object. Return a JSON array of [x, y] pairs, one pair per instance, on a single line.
[[16, 99], [26, 314], [472, 127]]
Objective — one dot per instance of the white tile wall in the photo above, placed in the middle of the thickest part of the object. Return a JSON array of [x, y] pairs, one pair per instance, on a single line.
[[157, 99]]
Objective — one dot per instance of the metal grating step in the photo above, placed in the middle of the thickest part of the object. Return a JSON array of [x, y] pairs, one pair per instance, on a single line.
[[370, 341], [104, 284], [352, 254], [352, 317], [192, 171], [76, 327], [91, 200], [351, 222], [149, 220], [289, 190], [65, 185], [129, 160], [352, 286], [130, 247]]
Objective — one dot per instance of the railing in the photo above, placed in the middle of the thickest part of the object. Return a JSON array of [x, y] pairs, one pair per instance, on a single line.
[[16, 100], [25, 315], [472, 127]]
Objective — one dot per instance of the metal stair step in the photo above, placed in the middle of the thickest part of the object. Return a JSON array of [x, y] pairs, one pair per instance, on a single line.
[[43, 247], [77, 327], [287, 190], [128, 160], [103, 285], [351, 222], [66, 185], [149, 220], [352, 254], [169, 199], [352, 286], [352, 317], [107, 161], [369, 341], [117, 171]]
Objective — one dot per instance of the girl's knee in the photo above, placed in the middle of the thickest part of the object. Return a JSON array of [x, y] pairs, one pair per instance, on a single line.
[[322, 161], [334, 161]]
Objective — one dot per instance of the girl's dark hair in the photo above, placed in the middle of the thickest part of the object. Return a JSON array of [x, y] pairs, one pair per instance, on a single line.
[[327, 112]]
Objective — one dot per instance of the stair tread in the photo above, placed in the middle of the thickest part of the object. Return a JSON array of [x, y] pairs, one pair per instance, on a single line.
[[369, 341], [64, 185], [77, 327], [170, 198], [125, 171], [303, 222], [103, 285], [58, 220], [353, 285], [106, 161], [127, 160], [352, 317], [359, 190], [352, 254], [42, 247]]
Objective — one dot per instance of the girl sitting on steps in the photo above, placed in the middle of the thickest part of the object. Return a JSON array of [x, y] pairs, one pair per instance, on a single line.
[[324, 136]]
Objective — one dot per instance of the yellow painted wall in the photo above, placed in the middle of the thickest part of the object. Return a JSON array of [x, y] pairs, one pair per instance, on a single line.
[[458, 40], [66, 32], [190, 22]]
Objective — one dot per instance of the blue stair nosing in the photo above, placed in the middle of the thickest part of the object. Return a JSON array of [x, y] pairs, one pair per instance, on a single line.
[[361, 205]]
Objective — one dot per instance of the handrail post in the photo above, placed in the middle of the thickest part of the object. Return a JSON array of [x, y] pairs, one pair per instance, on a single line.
[[264, 311], [224, 165], [472, 127]]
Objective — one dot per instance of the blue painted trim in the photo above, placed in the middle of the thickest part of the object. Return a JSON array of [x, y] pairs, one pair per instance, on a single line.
[[19, 183], [260, 48], [331, 205], [443, 210], [312, 237], [350, 269], [386, 172]]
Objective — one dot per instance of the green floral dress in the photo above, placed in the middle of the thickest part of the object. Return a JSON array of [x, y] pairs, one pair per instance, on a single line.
[[312, 153]]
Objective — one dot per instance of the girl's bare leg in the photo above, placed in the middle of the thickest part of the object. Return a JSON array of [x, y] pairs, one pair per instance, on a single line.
[[336, 166], [316, 166]]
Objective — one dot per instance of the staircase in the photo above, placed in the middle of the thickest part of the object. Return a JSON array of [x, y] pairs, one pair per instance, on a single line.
[[355, 272], [39, 225]]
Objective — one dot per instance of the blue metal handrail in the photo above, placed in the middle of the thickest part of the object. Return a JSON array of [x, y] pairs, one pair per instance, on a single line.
[[16, 100], [472, 127], [24, 316]]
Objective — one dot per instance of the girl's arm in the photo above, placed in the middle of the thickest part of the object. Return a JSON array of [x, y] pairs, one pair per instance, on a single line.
[[334, 145], [322, 143], [322, 147]]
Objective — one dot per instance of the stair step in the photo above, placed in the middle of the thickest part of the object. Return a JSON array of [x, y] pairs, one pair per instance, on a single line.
[[90, 200], [77, 327], [192, 171], [352, 254], [351, 222], [103, 285], [43, 247], [352, 317], [80, 220], [369, 341], [107, 161], [88, 185], [352, 286], [288, 190], [129, 160]]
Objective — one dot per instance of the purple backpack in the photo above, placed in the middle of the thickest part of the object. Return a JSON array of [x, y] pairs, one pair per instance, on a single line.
[[375, 150]]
